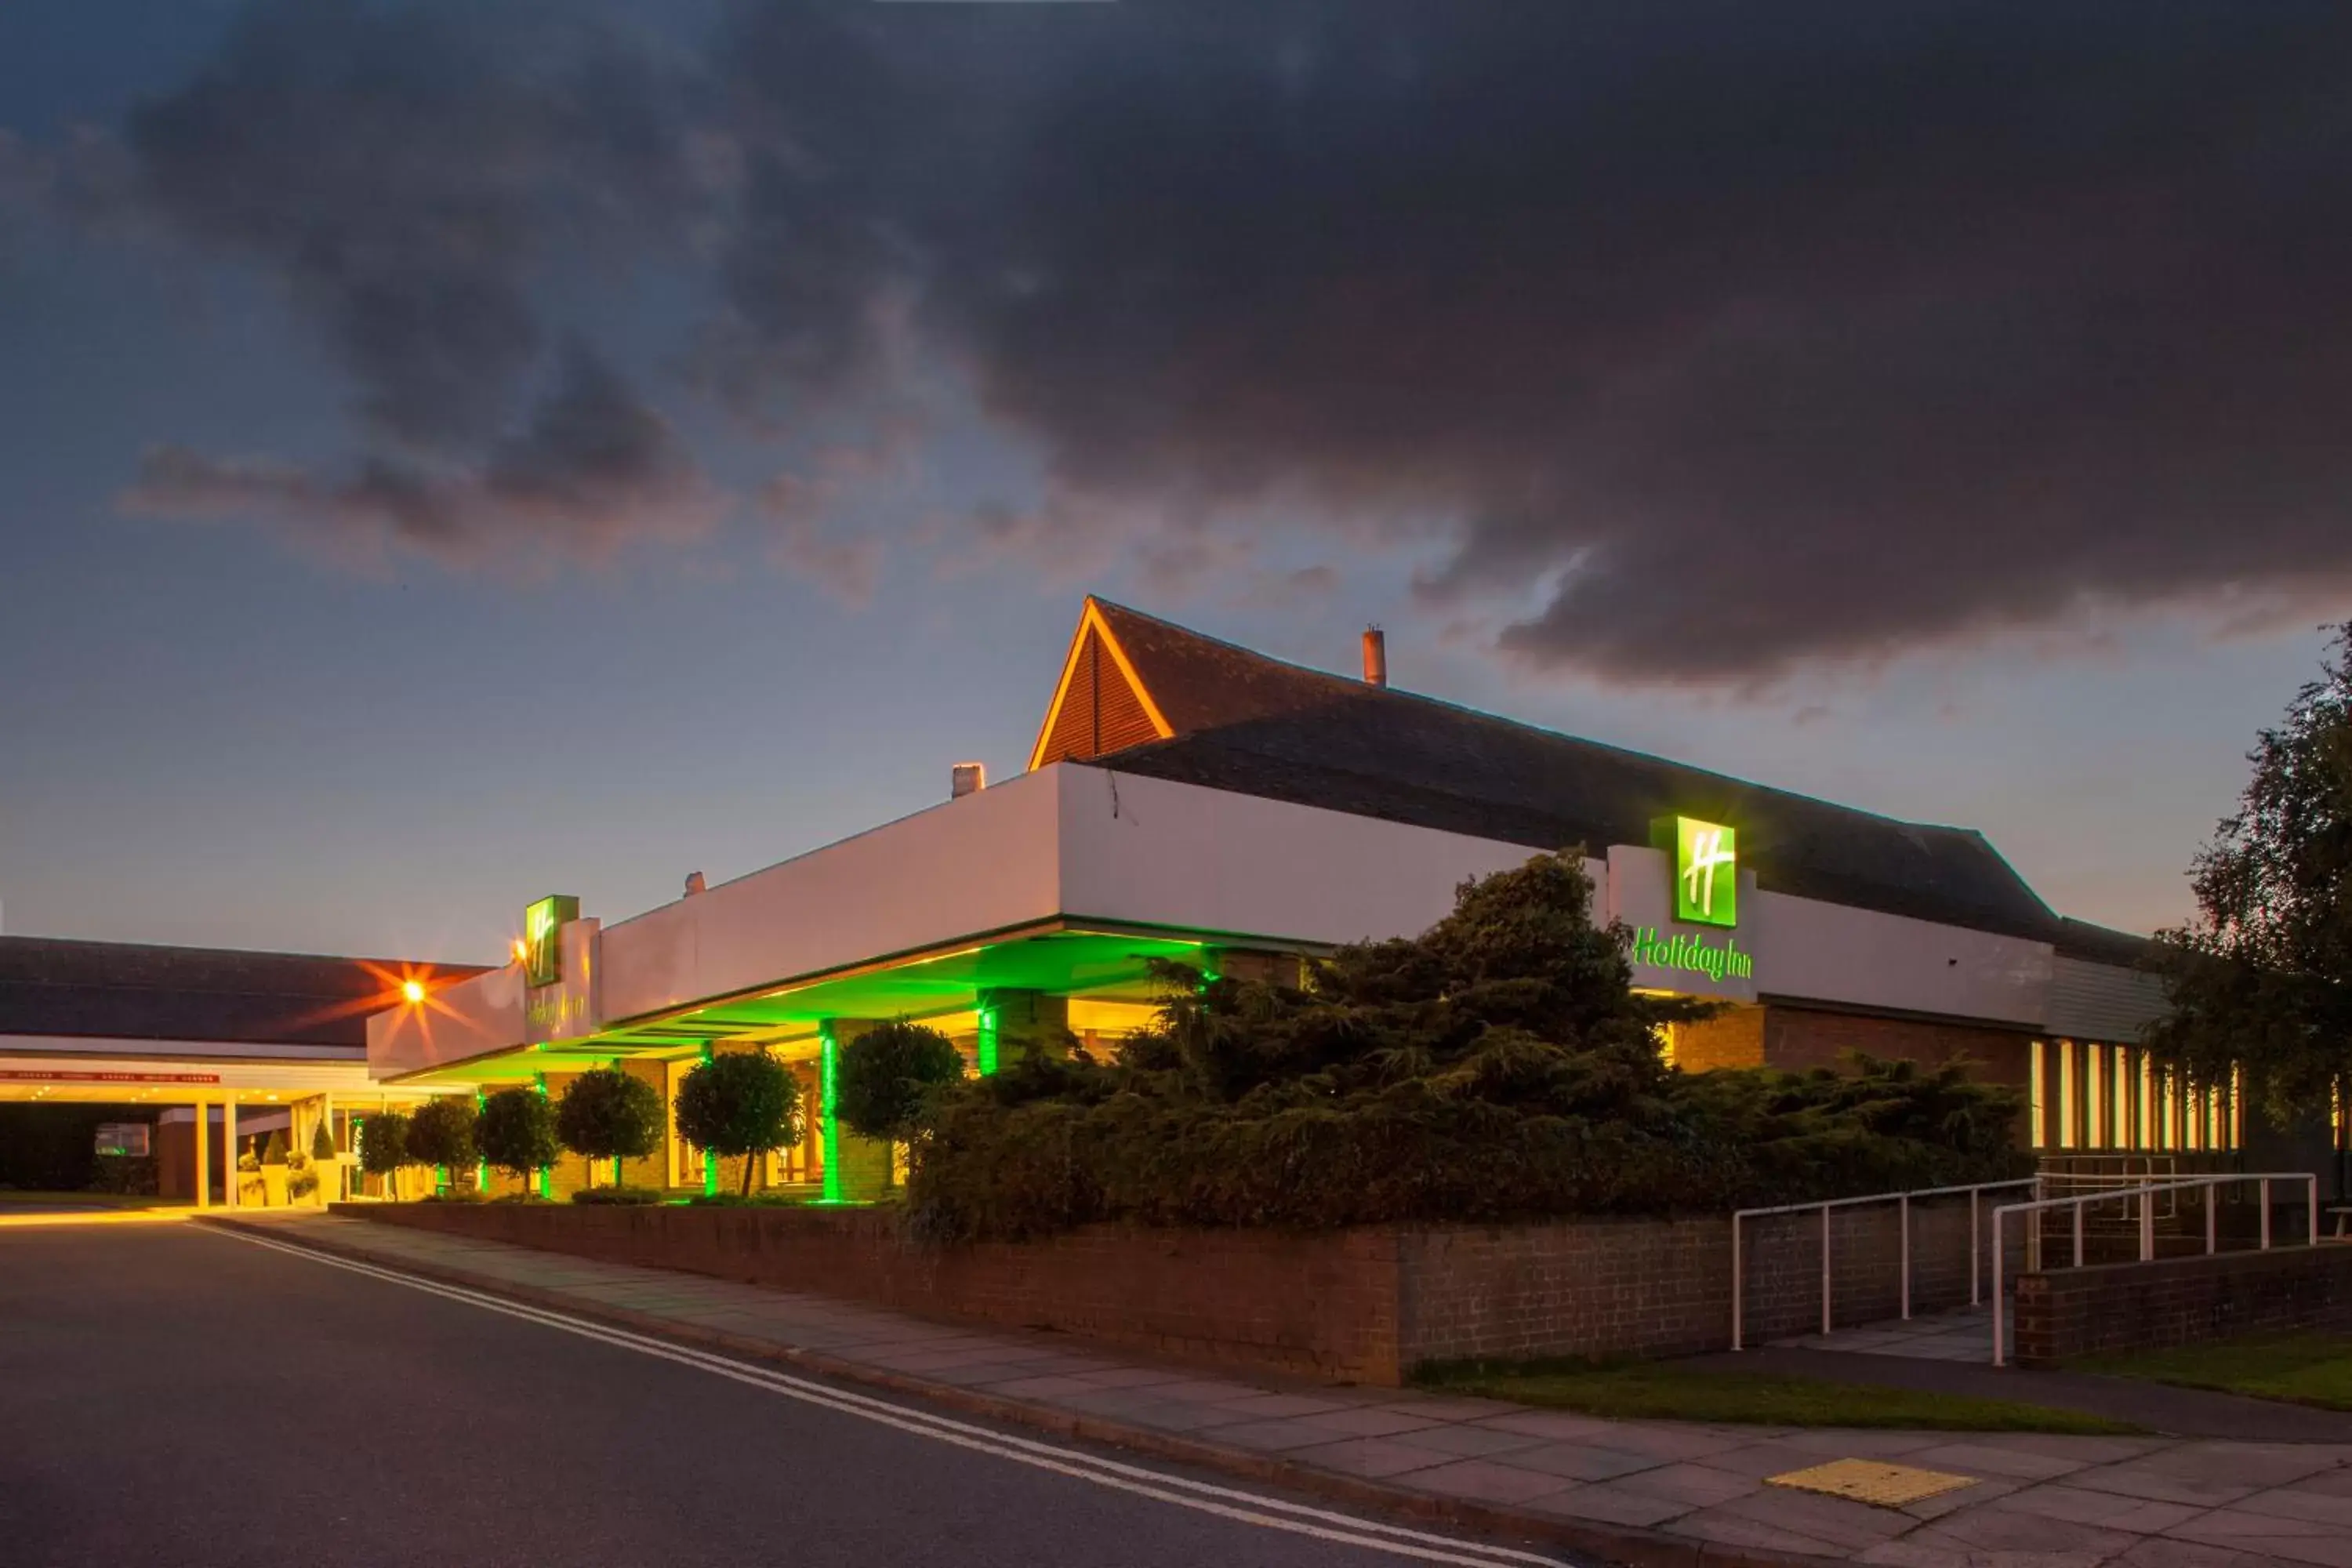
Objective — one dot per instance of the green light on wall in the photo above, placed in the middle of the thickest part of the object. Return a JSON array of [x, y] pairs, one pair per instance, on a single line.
[[546, 1173], [1706, 872], [831, 1123], [986, 1052], [709, 1160]]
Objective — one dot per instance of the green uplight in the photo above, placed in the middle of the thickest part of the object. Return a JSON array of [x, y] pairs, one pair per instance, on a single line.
[[987, 1050], [832, 1120]]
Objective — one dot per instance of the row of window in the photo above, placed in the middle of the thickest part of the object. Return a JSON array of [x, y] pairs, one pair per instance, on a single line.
[[2099, 1097]]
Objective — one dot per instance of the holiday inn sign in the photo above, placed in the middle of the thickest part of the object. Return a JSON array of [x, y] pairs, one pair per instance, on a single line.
[[1706, 872]]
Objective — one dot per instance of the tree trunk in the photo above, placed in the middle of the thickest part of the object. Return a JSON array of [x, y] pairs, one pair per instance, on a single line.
[[747, 1174]]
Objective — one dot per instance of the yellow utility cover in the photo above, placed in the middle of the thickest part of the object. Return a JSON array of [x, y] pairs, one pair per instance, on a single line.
[[1870, 1481]]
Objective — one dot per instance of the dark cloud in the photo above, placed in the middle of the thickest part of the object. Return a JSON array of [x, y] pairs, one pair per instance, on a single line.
[[593, 470], [1743, 335], [1691, 344], [414, 175]]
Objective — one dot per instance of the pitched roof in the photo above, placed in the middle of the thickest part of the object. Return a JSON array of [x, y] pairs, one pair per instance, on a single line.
[[51, 985], [1256, 725]]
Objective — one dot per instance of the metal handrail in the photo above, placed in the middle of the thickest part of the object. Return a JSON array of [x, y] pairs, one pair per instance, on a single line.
[[1738, 1294], [2147, 1225]]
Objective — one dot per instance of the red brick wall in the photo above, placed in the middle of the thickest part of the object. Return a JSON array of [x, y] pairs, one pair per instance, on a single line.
[[1364, 1305], [1651, 1288], [1732, 1038], [1320, 1306], [1801, 1038], [2181, 1300]]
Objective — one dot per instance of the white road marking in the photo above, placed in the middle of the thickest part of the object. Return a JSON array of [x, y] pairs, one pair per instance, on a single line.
[[1248, 1508]]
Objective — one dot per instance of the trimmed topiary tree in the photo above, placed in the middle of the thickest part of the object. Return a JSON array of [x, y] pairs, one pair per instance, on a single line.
[[886, 1079], [516, 1132], [741, 1104], [606, 1114], [323, 1143], [441, 1133], [383, 1147], [273, 1152]]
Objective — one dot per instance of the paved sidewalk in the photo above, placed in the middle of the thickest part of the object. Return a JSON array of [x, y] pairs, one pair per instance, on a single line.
[[1644, 1492]]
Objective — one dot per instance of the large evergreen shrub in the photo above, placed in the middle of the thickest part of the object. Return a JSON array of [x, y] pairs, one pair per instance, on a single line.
[[1498, 1066]]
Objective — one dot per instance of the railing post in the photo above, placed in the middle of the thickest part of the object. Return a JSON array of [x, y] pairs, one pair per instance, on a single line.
[[2310, 1192], [2212, 1219], [1976, 1247], [2078, 1233], [2147, 1226], [1736, 1282], [2266, 1214], [1826, 1268], [1906, 1204], [1998, 1342]]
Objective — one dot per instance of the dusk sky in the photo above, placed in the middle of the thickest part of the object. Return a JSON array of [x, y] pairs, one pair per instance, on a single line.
[[455, 452]]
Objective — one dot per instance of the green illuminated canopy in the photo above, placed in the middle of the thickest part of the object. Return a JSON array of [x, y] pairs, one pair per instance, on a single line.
[[1100, 965]]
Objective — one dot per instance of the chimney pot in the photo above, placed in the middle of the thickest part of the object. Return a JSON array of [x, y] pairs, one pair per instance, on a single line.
[[1375, 657], [967, 778], [694, 883]]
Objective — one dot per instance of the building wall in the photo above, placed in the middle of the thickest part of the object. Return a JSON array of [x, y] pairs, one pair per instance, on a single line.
[[1732, 1038], [1800, 1038], [2102, 1001]]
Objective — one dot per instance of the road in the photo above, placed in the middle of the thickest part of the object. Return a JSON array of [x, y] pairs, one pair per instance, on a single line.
[[174, 1395]]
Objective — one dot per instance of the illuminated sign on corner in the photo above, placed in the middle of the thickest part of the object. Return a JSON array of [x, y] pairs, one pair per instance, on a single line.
[[542, 938], [1706, 872]]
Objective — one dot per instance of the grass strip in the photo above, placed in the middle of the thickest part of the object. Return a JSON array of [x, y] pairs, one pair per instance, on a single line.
[[2295, 1369]]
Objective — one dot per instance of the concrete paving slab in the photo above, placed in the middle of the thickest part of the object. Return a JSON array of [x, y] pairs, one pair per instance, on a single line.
[[1485, 1480], [1374, 1457], [1581, 1461], [1608, 1502], [2108, 1510]]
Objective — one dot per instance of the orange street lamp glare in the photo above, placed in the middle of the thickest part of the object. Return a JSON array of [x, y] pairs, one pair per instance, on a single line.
[[413, 990]]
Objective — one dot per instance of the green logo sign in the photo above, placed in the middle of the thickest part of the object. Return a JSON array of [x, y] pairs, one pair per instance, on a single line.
[[1693, 953], [1706, 872], [542, 944]]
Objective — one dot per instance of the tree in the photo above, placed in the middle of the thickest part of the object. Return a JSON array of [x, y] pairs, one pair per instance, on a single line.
[[886, 1079], [441, 1133], [516, 1132], [2260, 982], [606, 1114], [739, 1104], [323, 1143], [273, 1152], [383, 1147]]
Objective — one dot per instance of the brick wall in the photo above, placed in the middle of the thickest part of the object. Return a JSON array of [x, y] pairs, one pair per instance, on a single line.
[[1654, 1288], [1732, 1038], [1364, 1305], [1320, 1305], [2180, 1300], [1801, 1038]]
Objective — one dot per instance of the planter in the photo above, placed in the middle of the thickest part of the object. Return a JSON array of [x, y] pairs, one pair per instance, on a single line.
[[273, 1185]]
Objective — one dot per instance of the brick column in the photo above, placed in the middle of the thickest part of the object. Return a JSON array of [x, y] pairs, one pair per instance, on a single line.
[[1255, 964], [857, 1170], [1018, 1024]]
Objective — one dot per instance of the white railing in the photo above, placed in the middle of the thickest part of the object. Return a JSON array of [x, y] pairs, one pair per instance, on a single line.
[[2147, 1225], [1903, 1200]]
